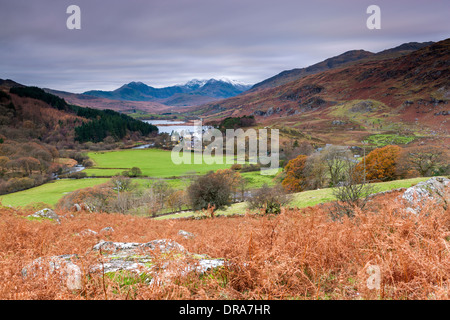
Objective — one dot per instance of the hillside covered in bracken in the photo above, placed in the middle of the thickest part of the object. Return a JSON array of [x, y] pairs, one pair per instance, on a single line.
[[224, 158], [298, 254]]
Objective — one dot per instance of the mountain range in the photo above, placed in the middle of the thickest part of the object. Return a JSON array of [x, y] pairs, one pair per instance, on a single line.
[[194, 92], [341, 99], [338, 61], [400, 90], [138, 95]]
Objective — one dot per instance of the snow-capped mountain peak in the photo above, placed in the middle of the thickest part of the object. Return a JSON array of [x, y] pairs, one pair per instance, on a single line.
[[196, 83], [233, 82], [200, 83]]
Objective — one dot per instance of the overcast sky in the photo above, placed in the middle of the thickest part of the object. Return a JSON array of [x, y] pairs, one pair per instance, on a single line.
[[167, 42]]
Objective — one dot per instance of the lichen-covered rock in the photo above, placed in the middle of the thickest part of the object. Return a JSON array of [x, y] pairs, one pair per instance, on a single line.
[[115, 265], [127, 248], [87, 232], [159, 260], [434, 189], [186, 234], [138, 257], [207, 264], [107, 229], [56, 266], [46, 214]]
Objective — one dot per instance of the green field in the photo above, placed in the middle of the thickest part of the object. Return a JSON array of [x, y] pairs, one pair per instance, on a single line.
[[381, 140], [48, 193], [51, 192], [152, 162], [256, 180]]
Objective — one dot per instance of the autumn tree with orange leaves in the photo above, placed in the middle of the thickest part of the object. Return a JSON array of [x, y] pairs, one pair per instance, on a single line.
[[381, 163], [295, 177]]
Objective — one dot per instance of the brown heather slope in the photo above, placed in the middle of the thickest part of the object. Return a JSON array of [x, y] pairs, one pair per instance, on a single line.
[[343, 60], [299, 254], [407, 94]]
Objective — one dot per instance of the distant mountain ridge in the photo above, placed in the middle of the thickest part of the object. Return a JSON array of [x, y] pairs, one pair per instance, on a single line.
[[398, 92], [337, 61], [194, 92]]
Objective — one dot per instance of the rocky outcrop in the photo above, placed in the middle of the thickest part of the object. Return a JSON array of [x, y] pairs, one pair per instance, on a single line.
[[62, 267], [435, 189], [172, 259], [130, 248], [186, 234], [45, 214], [363, 107]]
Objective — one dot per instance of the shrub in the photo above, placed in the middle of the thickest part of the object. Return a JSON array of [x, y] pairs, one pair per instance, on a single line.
[[426, 160], [209, 190], [353, 193], [300, 254], [176, 200], [250, 167], [87, 163], [77, 175], [96, 198], [133, 172], [18, 184], [269, 199], [236, 167]]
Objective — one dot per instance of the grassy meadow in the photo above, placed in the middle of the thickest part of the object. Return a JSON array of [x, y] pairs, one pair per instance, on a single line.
[[48, 193], [307, 198], [152, 162]]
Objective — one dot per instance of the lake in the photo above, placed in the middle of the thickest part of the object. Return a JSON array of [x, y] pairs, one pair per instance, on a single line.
[[167, 126]]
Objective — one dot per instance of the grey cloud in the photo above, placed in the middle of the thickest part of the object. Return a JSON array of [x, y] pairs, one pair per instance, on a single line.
[[164, 42]]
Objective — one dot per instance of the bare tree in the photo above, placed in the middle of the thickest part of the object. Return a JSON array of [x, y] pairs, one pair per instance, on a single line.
[[425, 159], [177, 200], [353, 192], [269, 199], [337, 160], [315, 171], [292, 150], [125, 198], [150, 199], [162, 190], [122, 184]]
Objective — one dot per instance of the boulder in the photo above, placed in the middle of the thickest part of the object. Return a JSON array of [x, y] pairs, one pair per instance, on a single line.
[[363, 107], [107, 229], [186, 234], [87, 232], [46, 214], [125, 248], [434, 189], [139, 258], [121, 254], [56, 266]]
